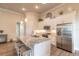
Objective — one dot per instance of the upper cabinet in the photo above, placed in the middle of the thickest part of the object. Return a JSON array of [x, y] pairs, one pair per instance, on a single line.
[[66, 18]]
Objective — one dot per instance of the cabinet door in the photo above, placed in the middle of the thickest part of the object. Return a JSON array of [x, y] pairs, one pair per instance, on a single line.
[[42, 48], [53, 24], [53, 40], [67, 18], [57, 21]]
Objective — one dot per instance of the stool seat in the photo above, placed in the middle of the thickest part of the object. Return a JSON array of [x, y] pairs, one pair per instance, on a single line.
[[25, 51]]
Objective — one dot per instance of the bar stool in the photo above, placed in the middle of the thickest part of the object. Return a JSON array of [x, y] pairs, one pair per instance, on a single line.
[[22, 50], [25, 51]]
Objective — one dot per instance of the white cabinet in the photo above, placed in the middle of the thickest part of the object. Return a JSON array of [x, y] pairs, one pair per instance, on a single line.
[[66, 18], [53, 24], [53, 39], [42, 48], [41, 25]]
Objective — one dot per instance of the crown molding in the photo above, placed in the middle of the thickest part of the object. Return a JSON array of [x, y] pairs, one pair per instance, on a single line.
[[10, 11], [52, 9]]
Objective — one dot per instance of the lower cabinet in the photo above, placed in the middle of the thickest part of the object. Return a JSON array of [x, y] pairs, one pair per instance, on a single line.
[[53, 40], [42, 48]]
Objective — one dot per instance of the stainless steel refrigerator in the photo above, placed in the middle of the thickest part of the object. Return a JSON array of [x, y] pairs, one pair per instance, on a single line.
[[64, 36]]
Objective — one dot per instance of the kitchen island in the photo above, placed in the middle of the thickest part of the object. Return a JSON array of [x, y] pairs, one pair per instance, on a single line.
[[40, 46]]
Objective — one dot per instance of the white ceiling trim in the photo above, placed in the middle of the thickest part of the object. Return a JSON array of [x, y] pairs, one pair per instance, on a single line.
[[53, 8], [10, 11]]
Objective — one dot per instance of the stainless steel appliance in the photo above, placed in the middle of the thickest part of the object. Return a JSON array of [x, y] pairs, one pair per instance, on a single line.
[[64, 36]]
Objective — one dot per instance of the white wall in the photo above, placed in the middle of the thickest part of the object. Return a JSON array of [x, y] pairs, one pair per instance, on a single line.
[[32, 22], [76, 31], [8, 21]]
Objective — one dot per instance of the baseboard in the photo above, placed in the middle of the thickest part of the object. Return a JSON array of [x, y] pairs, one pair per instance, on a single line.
[[77, 52]]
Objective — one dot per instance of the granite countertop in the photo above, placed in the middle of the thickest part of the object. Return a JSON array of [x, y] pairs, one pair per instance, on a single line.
[[31, 41]]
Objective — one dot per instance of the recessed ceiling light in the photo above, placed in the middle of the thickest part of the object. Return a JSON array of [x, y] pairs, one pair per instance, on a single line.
[[25, 19], [23, 9], [36, 7]]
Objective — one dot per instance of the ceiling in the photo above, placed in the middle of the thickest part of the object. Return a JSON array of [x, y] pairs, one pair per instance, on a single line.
[[30, 7]]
